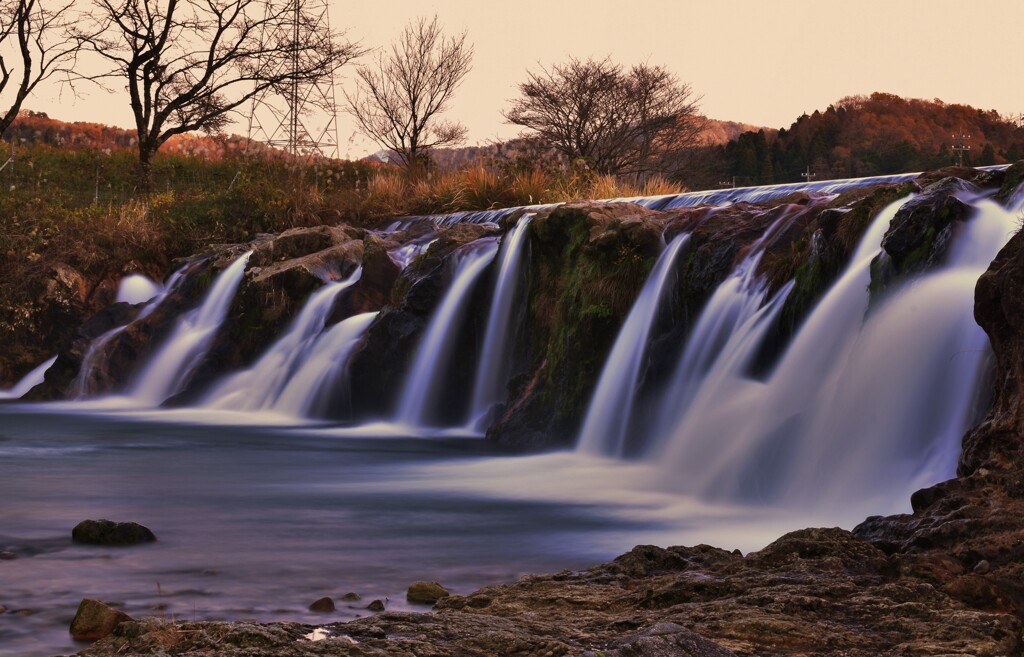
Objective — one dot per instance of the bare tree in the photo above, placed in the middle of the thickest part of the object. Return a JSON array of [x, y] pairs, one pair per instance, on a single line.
[[633, 122], [397, 101], [35, 44], [190, 63]]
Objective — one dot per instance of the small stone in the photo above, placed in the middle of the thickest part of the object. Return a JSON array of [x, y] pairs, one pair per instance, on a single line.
[[376, 605], [24, 612], [108, 532], [7, 556], [323, 605], [3, 609], [95, 620], [426, 592], [351, 596], [982, 567]]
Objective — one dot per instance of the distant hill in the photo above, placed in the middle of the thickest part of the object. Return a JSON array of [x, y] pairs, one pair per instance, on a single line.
[[871, 135], [36, 128]]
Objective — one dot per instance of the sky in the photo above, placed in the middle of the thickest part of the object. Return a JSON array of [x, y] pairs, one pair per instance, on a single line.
[[763, 62]]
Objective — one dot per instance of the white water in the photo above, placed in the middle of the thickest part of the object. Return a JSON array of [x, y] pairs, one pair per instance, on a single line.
[[611, 407], [492, 371], [730, 327], [260, 386], [168, 371], [434, 352], [97, 349], [27, 382], [309, 390], [855, 410], [137, 289]]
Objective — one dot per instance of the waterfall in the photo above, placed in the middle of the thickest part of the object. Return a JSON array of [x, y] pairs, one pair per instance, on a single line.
[[434, 352], [27, 382], [97, 348], [259, 386], [310, 391], [168, 372], [611, 407], [492, 371], [862, 405], [727, 333]]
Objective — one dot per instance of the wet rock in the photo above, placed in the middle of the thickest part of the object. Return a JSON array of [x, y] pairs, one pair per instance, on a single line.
[[663, 640], [426, 592], [323, 605], [108, 532], [376, 605], [918, 237], [351, 596], [95, 620], [8, 556]]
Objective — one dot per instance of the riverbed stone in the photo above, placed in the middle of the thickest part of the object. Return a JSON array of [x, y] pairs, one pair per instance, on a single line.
[[108, 532], [426, 592], [323, 605], [95, 619], [376, 605]]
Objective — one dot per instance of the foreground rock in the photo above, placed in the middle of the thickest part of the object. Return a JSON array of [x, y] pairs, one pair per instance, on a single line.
[[108, 532], [95, 620], [426, 592]]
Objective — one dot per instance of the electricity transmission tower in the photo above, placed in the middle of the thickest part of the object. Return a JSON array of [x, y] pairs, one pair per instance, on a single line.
[[299, 117]]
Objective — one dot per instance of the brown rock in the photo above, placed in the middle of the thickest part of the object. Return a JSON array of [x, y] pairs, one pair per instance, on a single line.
[[376, 605], [323, 605], [426, 592], [351, 596], [95, 620]]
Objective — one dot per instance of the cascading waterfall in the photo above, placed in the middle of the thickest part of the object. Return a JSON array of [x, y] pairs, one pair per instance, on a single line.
[[727, 332], [492, 369], [311, 390], [260, 386], [855, 407], [168, 371], [434, 352], [97, 349], [611, 407], [29, 381]]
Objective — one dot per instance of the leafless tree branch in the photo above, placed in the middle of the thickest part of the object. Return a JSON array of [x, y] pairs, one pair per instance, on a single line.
[[35, 45], [397, 101], [626, 122], [188, 64]]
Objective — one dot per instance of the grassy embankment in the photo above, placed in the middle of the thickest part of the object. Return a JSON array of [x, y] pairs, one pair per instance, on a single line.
[[72, 215]]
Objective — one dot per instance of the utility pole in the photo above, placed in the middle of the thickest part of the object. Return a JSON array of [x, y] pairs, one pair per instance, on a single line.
[[960, 147], [808, 175]]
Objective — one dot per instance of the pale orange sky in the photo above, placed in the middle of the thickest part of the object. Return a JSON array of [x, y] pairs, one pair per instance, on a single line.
[[762, 62]]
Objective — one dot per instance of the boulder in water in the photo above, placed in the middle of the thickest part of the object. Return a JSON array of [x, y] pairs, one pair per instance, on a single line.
[[323, 605], [108, 532]]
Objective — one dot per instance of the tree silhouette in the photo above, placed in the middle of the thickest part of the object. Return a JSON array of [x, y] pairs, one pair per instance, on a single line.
[[35, 44], [633, 122], [189, 63], [398, 100]]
